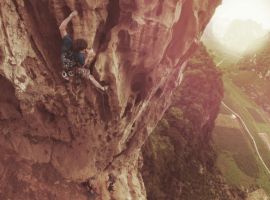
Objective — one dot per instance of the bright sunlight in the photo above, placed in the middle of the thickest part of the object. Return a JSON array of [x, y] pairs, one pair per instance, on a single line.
[[241, 26]]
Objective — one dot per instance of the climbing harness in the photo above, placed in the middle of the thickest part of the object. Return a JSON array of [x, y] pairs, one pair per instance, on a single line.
[[70, 73], [70, 63], [65, 75]]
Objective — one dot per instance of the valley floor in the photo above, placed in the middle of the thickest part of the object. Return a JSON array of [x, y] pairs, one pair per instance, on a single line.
[[242, 140]]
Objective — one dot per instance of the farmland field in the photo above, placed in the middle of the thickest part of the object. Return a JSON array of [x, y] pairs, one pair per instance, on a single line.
[[256, 116], [237, 157], [233, 140]]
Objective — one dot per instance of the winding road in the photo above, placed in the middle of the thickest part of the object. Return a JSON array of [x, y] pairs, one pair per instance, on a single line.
[[251, 136]]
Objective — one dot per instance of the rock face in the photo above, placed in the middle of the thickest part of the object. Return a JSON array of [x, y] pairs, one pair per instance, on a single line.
[[56, 134]]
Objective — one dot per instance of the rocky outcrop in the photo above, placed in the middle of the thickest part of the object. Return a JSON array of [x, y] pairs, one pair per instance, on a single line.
[[51, 127]]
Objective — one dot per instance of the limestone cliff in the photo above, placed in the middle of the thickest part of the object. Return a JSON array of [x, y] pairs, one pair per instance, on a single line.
[[55, 134]]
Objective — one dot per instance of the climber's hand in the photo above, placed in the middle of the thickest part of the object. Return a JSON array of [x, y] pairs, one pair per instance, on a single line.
[[74, 13], [90, 52], [105, 88]]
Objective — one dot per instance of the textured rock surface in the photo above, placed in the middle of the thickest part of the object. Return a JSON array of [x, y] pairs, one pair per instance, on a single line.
[[70, 129]]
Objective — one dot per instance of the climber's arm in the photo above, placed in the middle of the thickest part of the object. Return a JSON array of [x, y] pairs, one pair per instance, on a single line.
[[94, 81], [89, 56], [63, 25]]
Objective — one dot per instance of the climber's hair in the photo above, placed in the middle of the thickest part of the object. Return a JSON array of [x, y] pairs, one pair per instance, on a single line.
[[79, 45]]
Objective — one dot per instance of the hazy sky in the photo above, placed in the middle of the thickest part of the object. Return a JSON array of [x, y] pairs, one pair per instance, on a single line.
[[257, 10], [251, 20]]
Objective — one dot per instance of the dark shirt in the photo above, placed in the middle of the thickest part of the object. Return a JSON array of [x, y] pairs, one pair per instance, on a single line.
[[67, 43]]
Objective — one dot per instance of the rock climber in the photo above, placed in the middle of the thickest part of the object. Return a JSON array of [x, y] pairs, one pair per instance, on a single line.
[[75, 55]]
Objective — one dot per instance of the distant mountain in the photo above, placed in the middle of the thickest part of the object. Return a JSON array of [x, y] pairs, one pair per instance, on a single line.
[[216, 48], [253, 75], [259, 60], [243, 35]]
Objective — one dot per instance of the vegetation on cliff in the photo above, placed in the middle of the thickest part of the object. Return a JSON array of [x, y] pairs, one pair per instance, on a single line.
[[179, 162]]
